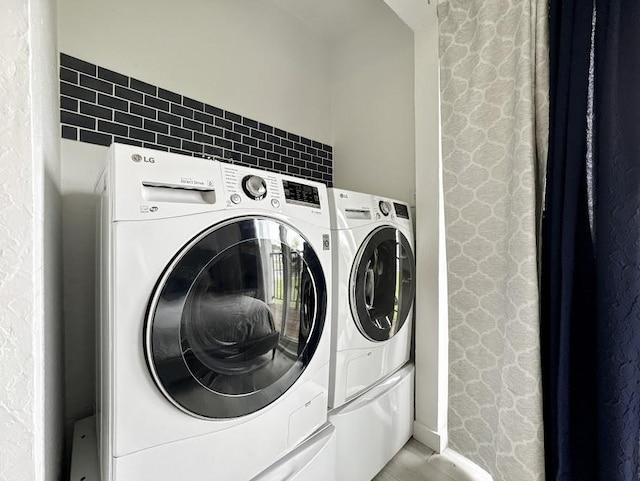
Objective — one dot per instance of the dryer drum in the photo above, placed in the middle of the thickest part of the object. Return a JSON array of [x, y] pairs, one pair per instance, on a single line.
[[382, 285], [236, 318]]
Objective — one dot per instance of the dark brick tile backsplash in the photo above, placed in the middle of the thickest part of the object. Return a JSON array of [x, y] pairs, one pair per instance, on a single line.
[[100, 106], [168, 95], [113, 77], [76, 64], [68, 75], [143, 86]]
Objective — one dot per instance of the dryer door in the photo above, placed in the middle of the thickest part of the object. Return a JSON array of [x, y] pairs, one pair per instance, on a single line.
[[382, 286], [235, 318]]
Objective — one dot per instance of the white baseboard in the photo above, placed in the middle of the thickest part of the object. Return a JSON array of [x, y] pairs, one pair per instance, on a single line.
[[430, 438]]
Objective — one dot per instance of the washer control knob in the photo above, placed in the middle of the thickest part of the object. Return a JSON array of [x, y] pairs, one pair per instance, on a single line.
[[235, 198], [254, 186], [385, 207], [275, 203]]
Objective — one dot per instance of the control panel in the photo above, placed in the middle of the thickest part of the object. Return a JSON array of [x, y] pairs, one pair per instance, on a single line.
[[358, 208], [402, 210], [247, 187], [390, 210], [301, 194], [155, 185]]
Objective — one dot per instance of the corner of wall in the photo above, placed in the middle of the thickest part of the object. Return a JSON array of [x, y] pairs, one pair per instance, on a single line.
[[432, 306], [30, 264], [45, 150]]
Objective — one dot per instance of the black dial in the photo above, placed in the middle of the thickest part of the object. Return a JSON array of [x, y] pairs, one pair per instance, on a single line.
[[385, 207], [255, 187]]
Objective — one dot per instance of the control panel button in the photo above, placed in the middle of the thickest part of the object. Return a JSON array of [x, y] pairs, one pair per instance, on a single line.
[[275, 203], [385, 207], [235, 198]]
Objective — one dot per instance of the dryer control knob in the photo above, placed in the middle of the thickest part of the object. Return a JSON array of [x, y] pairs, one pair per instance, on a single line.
[[235, 198], [254, 186], [385, 207]]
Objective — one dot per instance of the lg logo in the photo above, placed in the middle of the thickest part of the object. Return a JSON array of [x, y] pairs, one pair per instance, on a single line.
[[140, 158]]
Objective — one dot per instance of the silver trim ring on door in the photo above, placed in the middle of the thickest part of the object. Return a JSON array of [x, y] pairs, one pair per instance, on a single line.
[[269, 393]]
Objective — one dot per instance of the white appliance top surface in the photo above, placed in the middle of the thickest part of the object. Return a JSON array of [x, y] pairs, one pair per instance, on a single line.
[[148, 184], [351, 209]]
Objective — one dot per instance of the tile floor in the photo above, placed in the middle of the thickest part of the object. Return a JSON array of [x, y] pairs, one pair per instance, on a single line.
[[412, 463]]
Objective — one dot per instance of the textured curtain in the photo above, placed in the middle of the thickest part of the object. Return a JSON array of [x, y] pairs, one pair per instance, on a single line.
[[617, 234], [568, 323], [493, 97], [591, 243]]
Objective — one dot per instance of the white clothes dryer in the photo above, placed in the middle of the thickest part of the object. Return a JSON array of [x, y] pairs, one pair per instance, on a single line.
[[374, 290], [214, 317]]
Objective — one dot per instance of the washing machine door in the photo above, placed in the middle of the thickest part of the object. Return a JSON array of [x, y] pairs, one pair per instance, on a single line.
[[236, 318], [382, 284]]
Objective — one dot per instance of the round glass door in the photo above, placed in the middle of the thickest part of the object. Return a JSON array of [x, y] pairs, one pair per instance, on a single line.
[[236, 318], [382, 284]]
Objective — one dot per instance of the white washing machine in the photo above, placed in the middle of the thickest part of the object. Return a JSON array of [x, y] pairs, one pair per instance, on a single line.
[[374, 290], [214, 317]]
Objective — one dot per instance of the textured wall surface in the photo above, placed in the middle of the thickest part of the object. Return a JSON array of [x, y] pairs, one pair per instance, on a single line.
[[30, 384], [46, 156], [18, 287]]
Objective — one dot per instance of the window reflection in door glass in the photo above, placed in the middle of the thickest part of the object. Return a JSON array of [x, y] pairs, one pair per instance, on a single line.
[[249, 313], [382, 286], [237, 317]]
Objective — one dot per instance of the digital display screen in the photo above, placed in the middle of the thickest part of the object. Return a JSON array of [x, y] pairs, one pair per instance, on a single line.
[[401, 210], [301, 194]]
